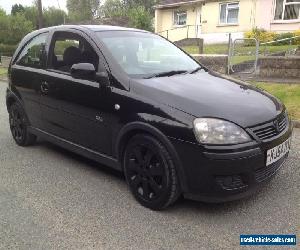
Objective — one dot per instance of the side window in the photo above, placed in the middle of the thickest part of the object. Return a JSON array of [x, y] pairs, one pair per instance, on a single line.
[[60, 47], [68, 49], [32, 54]]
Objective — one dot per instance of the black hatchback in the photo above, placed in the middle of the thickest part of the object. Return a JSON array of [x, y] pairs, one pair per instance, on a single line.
[[133, 101]]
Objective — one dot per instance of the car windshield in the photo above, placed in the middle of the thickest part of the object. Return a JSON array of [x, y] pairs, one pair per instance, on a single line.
[[145, 55]]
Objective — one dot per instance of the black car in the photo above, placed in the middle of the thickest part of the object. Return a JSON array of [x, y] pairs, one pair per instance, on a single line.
[[133, 101]]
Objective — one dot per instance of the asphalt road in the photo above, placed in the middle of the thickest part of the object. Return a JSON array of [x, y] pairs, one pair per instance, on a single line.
[[53, 199]]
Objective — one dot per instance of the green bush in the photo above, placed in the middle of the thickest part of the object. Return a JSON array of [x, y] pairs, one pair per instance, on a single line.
[[283, 36], [297, 40], [7, 49], [261, 35], [264, 36]]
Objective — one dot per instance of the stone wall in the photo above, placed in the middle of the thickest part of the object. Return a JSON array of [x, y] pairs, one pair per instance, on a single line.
[[5, 60], [214, 62], [191, 42], [279, 67]]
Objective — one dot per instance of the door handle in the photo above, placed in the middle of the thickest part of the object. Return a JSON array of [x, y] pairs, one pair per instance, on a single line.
[[44, 87]]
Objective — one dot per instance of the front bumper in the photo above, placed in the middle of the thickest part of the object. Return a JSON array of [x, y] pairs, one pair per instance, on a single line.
[[225, 173]]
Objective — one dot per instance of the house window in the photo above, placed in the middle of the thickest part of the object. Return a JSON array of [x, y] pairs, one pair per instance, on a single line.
[[287, 9], [180, 17], [229, 13]]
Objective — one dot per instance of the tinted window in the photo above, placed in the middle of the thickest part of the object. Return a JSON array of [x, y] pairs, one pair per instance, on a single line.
[[33, 53], [61, 46], [68, 49]]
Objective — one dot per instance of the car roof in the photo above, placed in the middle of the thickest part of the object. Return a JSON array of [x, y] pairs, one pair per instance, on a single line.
[[92, 28], [109, 28], [86, 28]]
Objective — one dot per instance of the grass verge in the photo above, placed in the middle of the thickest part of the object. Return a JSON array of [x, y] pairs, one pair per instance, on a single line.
[[3, 72], [223, 49], [289, 94]]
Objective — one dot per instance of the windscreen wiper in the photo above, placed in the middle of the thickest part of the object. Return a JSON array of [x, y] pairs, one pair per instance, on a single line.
[[168, 73], [196, 70]]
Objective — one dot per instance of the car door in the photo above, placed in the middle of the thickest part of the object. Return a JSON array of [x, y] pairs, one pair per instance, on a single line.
[[26, 74], [76, 110]]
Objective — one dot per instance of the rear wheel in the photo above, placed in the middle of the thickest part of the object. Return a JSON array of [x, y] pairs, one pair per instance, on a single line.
[[150, 172], [19, 126]]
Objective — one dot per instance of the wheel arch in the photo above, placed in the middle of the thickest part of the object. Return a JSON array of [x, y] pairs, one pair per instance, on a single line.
[[12, 95], [11, 99], [133, 128]]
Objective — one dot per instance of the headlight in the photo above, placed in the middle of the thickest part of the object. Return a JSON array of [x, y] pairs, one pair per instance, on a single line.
[[216, 131]]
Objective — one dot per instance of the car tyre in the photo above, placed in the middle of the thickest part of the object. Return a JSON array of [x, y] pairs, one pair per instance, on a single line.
[[150, 172], [19, 126]]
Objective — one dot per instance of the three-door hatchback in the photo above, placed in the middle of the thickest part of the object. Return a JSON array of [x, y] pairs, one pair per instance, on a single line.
[[133, 101]]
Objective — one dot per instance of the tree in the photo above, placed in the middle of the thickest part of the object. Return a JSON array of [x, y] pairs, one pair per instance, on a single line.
[[113, 8], [31, 14], [54, 16], [110, 6], [147, 4], [18, 28], [4, 25], [140, 18], [2, 12], [14, 28], [17, 8], [40, 13], [82, 10]]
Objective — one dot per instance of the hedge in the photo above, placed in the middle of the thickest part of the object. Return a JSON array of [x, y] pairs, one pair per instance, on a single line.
[[266, 36], [7, 50]]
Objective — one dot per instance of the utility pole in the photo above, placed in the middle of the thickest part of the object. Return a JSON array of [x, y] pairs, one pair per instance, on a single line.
[[64, 12], [40, 13]]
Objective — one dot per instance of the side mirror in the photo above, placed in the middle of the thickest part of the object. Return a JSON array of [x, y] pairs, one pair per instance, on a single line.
[[84, 71], [103, 79]]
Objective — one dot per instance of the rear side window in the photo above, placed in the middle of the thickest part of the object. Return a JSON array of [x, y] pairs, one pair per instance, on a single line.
[[33, 53]]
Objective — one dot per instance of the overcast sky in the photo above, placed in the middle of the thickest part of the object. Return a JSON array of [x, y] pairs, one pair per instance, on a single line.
[[6, 4]]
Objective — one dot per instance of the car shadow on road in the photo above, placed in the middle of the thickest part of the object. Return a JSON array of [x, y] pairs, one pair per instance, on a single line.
[[181, 204], [93, 165], [212, 208]]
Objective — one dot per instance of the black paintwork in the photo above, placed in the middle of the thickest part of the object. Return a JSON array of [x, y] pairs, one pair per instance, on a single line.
[[81, 115]]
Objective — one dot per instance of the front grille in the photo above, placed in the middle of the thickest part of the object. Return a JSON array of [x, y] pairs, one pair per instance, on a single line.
[[266, 172], [271, 129]]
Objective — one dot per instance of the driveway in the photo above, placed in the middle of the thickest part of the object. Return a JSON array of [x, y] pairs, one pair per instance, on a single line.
[[50, 199]]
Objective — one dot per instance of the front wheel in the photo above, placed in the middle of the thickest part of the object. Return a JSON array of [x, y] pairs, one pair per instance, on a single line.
[[150, 172], [19, 126]]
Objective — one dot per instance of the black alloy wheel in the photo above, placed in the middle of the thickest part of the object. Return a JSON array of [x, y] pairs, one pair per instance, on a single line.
[[150, 172], [19, 127]]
